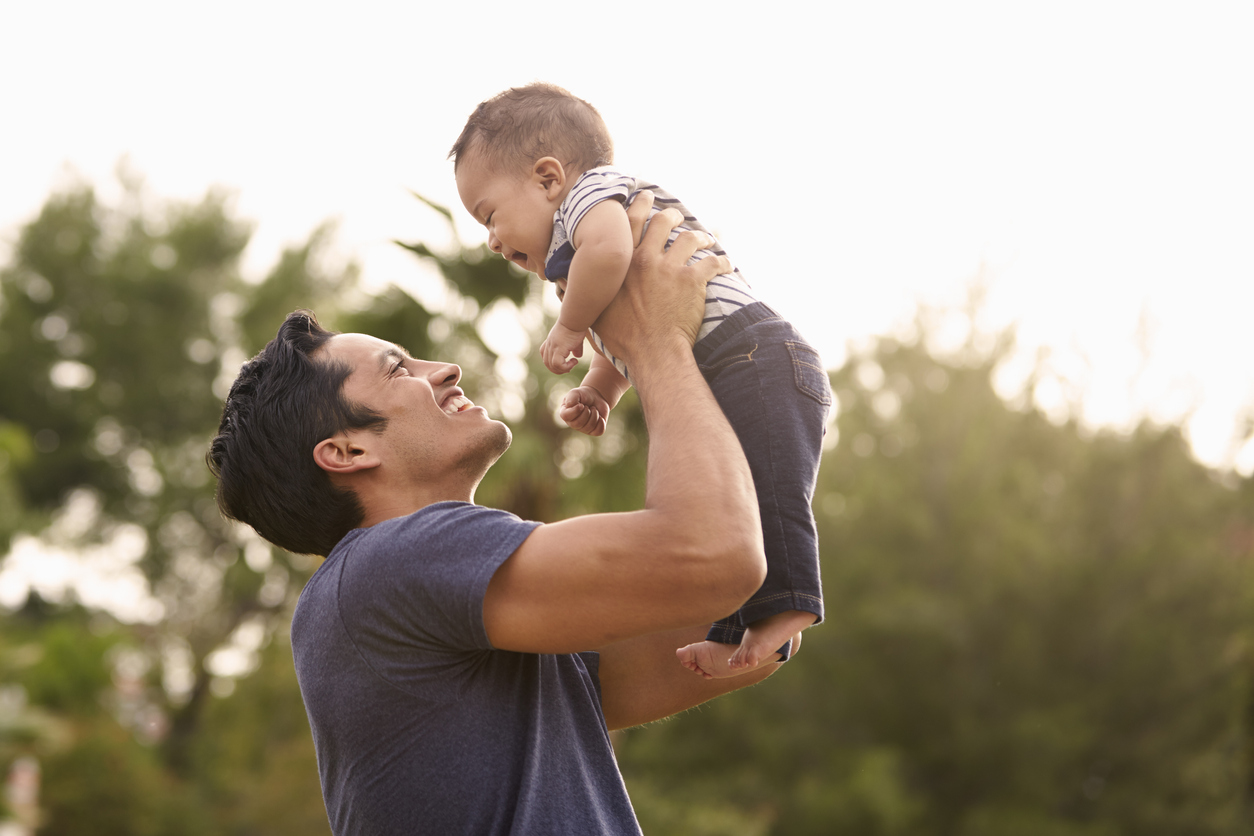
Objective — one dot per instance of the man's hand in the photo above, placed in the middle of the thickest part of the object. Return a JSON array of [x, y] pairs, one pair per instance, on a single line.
[[662, 299], [584, 409], [557, 348], [687, 557]]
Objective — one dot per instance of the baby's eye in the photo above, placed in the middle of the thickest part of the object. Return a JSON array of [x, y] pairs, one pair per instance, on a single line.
[[488, 221]]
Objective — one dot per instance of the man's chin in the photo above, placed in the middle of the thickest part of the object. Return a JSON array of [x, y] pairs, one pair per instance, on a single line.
[[490, 447], [503, 439]]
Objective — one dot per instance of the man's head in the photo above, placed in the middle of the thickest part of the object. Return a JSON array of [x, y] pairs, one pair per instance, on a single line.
[[515, 162], [317, 422]]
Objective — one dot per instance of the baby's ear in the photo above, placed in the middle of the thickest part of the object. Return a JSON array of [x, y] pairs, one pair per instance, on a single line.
[[549, 173]]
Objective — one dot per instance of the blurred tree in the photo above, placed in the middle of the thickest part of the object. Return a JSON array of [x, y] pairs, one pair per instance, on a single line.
[[1032, 629], [254, 754], [97, 775], [116, 322], [121, 326]]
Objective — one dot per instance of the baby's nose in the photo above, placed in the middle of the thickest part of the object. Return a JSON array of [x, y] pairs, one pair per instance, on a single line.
[[494, 244]]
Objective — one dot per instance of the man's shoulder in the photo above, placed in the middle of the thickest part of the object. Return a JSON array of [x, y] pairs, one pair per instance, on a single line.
[[427, 571], [438, 519], [425, 521], [441, 533]]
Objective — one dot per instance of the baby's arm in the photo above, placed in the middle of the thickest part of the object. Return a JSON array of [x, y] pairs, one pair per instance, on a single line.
[[587, 407], [603, 250]]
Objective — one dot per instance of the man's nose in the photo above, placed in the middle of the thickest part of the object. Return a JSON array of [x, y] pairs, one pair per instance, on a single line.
[[444, 374]]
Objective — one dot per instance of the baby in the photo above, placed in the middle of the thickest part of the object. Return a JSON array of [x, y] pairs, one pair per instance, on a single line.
[[532, 165]]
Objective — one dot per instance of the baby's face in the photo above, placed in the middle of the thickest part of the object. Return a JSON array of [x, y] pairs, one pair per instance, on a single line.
[[514, 206]]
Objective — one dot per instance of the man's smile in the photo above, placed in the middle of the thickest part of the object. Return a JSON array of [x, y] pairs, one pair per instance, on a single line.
[[457, 403]]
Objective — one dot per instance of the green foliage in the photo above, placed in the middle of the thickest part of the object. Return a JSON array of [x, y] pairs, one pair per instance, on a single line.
[[255, 756], [476, 273], [72, 670], [1031, 628], [144, 302], [119, 326], [106, 784]]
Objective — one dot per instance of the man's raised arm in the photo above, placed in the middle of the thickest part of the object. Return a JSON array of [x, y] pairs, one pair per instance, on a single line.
[[694, 553]]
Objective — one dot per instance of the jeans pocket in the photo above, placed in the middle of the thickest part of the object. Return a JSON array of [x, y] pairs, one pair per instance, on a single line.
[[808, 372], [716, 365]]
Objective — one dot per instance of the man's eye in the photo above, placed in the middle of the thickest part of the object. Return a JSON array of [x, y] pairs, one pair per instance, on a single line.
[[400, 365]]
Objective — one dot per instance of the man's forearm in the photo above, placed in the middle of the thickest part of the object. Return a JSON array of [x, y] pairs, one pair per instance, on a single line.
[[696, 469], [694, 553], [699, 491]]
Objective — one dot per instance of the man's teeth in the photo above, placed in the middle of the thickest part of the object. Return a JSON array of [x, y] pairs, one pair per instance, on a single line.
[[457, 404]]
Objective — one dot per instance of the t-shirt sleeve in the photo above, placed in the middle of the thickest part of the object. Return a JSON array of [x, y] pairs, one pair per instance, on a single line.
[[418, 581], [593, 187]]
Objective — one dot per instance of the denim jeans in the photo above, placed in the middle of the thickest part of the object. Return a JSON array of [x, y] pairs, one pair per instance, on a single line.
[[775, 393]]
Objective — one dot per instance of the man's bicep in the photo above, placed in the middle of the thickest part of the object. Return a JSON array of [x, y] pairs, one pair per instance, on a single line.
[[583, 583]]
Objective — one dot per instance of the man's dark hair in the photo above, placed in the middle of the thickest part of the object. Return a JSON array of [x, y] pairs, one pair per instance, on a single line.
[[282, 404], [515, 128]]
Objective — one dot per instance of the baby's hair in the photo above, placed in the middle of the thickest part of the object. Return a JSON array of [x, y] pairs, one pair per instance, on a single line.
[[515, 128]]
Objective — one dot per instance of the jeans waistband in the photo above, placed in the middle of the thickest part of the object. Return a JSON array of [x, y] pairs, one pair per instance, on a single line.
[[746, 316]]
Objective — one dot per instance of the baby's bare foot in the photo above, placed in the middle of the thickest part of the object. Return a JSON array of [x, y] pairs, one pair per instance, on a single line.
[[708, 659]]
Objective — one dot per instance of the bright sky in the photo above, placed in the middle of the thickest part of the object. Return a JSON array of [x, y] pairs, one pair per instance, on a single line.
[[1091, 160]]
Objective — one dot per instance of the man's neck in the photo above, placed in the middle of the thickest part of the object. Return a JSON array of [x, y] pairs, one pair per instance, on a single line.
[[382, 504]]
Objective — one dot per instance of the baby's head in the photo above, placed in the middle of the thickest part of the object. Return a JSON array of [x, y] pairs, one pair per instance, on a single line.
[[516, 159], [512, 130]]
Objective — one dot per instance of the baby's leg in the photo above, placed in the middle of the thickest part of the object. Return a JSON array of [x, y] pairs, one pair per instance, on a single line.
[[775, 394]]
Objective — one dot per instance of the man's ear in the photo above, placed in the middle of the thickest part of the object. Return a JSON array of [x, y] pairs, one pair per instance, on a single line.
[[340, 454], [549, 173]]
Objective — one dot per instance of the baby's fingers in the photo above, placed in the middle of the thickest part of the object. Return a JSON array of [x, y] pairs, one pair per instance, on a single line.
[[580, 417]]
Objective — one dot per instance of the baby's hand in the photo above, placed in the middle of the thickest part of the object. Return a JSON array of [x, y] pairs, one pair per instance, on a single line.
[[561, 343], [585, 410]]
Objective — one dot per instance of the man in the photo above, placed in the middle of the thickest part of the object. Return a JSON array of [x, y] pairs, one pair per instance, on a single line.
[[445, 650]]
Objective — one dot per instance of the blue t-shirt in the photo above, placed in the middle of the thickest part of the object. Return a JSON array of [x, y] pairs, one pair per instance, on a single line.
[[419, 724]]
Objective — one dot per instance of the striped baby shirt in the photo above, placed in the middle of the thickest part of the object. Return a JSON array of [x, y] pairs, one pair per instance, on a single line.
[[724, 295]]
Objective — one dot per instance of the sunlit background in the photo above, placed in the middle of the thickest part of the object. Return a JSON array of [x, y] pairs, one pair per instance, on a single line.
[[1087, 162], [1028, 624]]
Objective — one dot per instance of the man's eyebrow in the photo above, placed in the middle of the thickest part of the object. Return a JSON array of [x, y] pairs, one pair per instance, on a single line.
[[390, 355]]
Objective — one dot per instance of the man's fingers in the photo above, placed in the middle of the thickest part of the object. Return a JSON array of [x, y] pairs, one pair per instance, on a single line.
[[638, 214], [711, 266], [659, 230], [688, 242]]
